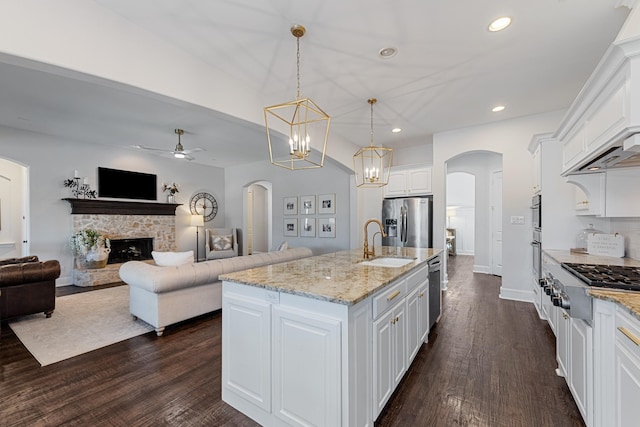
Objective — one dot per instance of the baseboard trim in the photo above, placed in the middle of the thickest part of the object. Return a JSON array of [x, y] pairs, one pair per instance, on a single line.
[[516, 295]]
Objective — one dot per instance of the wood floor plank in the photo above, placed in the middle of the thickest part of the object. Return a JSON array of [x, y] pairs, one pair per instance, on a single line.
[[489, 362]]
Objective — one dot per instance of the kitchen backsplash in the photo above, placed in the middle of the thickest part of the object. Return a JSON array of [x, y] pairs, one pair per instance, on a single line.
[[630, 229]]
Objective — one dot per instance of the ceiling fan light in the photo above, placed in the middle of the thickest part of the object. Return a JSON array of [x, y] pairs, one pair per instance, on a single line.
[[179, 155]]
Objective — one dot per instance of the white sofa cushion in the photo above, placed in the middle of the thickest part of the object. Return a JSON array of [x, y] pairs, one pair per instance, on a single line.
[[164, 259]]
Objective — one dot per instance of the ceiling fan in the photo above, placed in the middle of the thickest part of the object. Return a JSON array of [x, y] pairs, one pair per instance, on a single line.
[[179, 152]]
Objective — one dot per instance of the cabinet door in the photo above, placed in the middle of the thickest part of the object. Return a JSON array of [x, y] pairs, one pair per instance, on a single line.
[[397, 184], [246, 353], [423, 296], [419, 181], [414, 333], [579, 366], [627, 370], [399, 337], [306, 368], [562, 340], [383, 360]]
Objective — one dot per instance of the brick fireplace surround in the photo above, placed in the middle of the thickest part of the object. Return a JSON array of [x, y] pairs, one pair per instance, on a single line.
[[122, 220]]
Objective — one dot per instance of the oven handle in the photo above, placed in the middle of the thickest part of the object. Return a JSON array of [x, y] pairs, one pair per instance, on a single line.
[[535, 243]]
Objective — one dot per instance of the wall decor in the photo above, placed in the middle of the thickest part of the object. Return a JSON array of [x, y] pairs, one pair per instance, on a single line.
[[307, 205], [307, 227], [327, 203], [290, 206], [291, 227], [326, 227]]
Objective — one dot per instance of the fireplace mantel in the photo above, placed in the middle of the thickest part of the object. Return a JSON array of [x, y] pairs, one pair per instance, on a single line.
[[116, 207]]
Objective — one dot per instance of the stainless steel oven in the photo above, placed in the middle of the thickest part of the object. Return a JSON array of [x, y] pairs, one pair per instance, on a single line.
[[536, 246], [536, 212]]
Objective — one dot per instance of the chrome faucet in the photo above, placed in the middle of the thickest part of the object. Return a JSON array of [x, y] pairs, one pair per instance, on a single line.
[[372, 252]]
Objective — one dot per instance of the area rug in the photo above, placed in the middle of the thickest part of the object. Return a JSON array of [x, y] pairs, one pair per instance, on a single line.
[[80, 323]]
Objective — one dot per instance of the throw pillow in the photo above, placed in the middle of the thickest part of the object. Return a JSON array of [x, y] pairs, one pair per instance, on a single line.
[[222, 243], [283, 246], [165, 259]]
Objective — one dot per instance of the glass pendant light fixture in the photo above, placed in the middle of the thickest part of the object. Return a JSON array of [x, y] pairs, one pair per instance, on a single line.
[[297, 131], [372, 164]]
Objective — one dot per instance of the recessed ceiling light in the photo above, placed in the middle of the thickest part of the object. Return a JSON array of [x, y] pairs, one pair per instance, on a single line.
[[497, 108], [396, 130], [387, 52], [500, 24]]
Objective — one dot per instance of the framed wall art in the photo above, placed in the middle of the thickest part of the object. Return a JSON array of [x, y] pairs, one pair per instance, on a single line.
[[290, 206], [307, 227], [327, 204], [326, 227], [307, 205], [291, 227]]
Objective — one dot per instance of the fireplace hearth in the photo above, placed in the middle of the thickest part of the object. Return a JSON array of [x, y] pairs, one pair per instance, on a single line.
[[133, 249]]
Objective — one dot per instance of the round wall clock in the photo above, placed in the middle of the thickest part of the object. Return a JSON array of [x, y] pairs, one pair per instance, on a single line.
[[204, 204]]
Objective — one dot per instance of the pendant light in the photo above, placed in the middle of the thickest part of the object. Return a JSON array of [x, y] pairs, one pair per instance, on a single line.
[[297, 130], [372, 164]]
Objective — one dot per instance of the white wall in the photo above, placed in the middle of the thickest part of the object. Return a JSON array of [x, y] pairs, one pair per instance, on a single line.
[[51, 160], [329, 179], [417, 154], [509, 138]]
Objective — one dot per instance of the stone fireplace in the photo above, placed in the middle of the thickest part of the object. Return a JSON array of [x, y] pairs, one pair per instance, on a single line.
[[150, 225]]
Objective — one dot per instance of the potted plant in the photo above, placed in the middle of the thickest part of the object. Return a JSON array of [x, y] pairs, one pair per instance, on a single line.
[[90, 249], [172, 189]]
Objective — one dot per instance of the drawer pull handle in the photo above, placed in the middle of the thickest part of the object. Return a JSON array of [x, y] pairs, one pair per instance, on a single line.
[[629, 335], [393, 295]]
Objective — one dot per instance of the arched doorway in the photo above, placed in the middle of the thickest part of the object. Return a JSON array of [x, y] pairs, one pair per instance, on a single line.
[[486, 168], [257, 207]]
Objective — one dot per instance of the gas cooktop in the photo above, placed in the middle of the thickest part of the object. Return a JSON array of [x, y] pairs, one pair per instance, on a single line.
[[606, 276]]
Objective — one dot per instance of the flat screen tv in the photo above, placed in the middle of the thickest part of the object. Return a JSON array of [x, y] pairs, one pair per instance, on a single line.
[[122, 184]]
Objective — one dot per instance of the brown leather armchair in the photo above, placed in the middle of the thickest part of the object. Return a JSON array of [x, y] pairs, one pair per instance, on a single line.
[[27, 286]]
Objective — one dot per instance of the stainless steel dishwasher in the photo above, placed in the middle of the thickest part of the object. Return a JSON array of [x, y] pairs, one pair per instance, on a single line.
[[434, 290]]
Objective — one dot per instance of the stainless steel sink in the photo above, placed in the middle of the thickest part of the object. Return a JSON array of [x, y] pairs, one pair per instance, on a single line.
[[393, 262]]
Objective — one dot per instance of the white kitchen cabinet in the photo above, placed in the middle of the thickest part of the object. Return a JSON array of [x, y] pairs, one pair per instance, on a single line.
[[417, 312], [537, 169], [575, 361], [389, 356], [562, 343], [306, 350], [605, 112], [408, 182], [580, 370], [247, 355], [423, 321], [627, 370], [613, 194]]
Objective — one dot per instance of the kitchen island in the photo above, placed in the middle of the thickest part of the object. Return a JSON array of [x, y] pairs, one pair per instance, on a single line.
[[323, 340]]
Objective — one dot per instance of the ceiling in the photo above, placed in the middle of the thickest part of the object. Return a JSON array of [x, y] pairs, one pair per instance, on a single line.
[[449, 71]]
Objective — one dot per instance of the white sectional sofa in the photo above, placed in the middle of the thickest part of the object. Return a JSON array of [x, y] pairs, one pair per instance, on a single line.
[[162, 296]]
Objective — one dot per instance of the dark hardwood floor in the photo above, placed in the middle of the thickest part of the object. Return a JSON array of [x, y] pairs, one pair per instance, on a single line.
[[489, 362]]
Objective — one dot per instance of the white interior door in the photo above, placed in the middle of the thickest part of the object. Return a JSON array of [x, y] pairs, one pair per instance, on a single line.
[[14, 240], [496, 223]]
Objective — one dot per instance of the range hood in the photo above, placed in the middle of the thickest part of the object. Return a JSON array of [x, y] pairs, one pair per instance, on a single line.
[[625, 156]]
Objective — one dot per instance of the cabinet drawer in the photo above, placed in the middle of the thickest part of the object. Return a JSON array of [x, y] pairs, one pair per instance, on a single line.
[[417, 278], [628, 332], [388, 298]]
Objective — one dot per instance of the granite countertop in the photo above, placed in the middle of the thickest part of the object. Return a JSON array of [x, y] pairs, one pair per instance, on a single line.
[[628, 300], [336, 277], [566, 256]]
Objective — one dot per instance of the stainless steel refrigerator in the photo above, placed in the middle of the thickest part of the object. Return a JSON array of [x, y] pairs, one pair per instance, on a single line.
[[408, 222]]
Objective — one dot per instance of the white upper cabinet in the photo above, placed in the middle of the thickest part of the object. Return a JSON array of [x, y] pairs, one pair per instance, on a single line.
[[408, 182], [606, 111]]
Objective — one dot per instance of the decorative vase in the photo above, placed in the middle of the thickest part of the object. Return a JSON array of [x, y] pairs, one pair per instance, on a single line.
[[171, 198], [95, 258]]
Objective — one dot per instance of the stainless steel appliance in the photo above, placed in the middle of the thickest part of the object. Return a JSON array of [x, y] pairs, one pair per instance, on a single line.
[[536, 265], [408, 222], [434, 291], [536, 212], [567, 284]]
